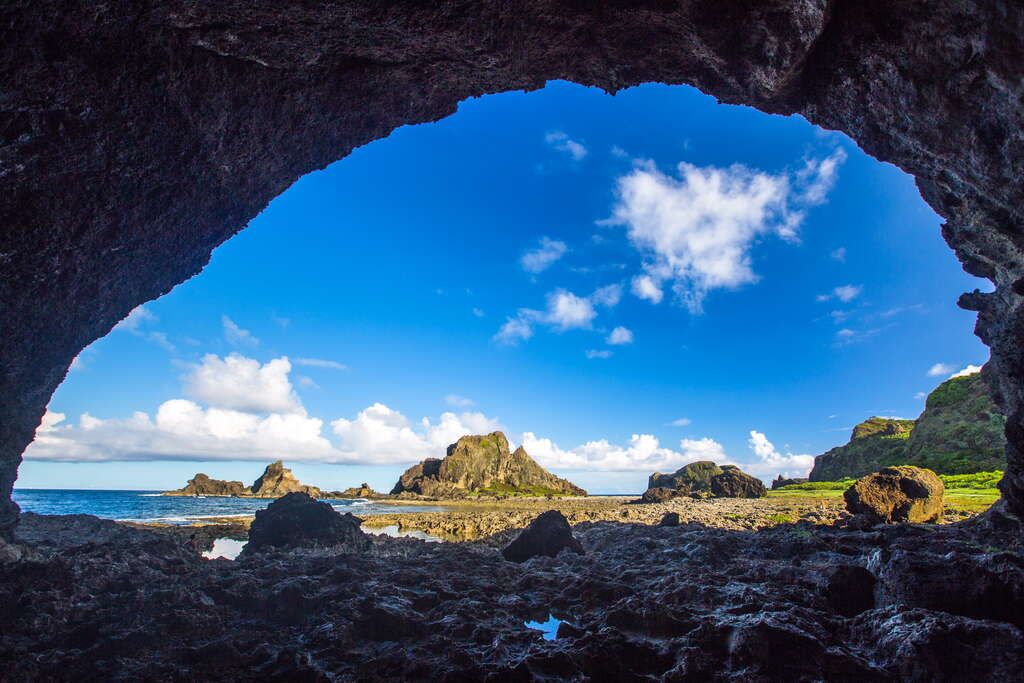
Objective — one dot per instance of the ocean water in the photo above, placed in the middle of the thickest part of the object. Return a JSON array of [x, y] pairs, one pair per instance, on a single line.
[[150, 506]]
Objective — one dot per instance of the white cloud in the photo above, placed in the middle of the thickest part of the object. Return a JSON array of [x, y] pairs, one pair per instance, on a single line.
[[320, 363], [681, 422], [699, 228], [478, 313], [239, 383], [844, 293], [644, 453], [458, 401], [608, 296], [940, 369], [544, 256], [620, 335], [845, 332], [645, 287], [594, 353], [515, 329], [839, 316], [563, 143], [307, 382], [138, 316], [235, 335], [770, 462], [969, 370], [839, 254], [919, 395]]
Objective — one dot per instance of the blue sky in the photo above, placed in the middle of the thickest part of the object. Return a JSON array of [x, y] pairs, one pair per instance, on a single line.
[[622, 284]]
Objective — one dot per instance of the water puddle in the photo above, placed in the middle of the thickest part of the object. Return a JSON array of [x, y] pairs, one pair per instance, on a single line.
[[228, 548], [393, 531], [548, 629]]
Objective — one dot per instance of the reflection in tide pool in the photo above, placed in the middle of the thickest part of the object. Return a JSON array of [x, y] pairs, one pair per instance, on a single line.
[[549, 628], [228, 548], [393, 531]]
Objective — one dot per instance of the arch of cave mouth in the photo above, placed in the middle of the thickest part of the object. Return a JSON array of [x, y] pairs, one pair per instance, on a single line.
[[133, 141]]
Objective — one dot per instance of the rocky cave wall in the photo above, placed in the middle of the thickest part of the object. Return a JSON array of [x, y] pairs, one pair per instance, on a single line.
[[135, 137]]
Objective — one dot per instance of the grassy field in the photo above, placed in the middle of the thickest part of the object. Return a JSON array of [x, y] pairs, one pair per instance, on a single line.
[[967, 492]]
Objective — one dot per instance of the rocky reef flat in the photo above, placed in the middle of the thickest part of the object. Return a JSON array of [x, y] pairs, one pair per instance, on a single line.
[[90, 599]]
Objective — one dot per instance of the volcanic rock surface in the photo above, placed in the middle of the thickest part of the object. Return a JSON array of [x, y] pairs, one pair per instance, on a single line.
[[702, 478], [547, 535], [960, 431], [483, 463], [203, 485], [734, 483], [795, 602], [897, 494], [137, 138]]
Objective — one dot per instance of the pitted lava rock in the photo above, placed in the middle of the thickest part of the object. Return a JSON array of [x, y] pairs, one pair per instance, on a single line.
[[298, 521], [135, 138], [896, 494], [795, 602]]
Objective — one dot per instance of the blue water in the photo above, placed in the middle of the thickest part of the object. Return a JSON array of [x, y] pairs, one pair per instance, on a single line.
[[149, 506], [548, 629]]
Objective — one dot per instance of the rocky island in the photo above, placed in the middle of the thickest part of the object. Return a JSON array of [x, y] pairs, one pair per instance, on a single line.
[[276, 481], [483, 465]]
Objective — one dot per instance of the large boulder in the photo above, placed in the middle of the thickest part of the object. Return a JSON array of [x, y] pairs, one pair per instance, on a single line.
[[734, 483], [277, 480], [297, 520], [483, 464], [695, 477], [660, 494], [897, 494], [549, 534]]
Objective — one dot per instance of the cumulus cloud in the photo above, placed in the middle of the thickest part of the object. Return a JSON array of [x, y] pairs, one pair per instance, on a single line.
[[771, 462], [969, 370], [243, 384], [644, 453], [515, 330], [235, 335], [594, 353], [320, 363], [620, 335], [540, 259], [458, 401], [566, 311], [560, 141], [698, 228], [940, 369], [645, 287], [608, 296], [844, 293]]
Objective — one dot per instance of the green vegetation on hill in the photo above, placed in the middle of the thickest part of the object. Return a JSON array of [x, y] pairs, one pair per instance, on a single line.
[[959, 432]]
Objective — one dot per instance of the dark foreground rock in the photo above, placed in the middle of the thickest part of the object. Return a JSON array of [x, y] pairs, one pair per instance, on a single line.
[[296, 520], [896, 494], [549, 535], [644, 603], [733, 483], [659, 494]]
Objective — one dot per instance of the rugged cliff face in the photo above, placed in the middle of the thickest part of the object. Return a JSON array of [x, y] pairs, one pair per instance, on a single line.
[[135, 138], [276, 481], [483, 464], [960, 431]]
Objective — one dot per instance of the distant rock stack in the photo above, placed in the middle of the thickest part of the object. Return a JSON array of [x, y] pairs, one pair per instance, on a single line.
[[482, 464], [276, 481], [702, 479]]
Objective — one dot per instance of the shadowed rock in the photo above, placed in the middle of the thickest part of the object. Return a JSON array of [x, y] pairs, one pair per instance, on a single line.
[[296, 520], [896, 494], [733, 483], [670, 519], [549, 534]]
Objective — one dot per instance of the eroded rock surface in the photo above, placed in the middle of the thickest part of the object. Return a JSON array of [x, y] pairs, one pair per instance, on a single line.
[[547, 535], [203, 485], [734, 483], [135, 139], [794, 602], [298, 521]]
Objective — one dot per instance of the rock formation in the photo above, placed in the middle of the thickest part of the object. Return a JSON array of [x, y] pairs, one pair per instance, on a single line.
[[548, 535], [701, 479], [115, 190], [960, 431], [202, 485], [896, 494], [483, 464], [781, 481], [361, 491], [297, 520], [734, 483], [276, 481]]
